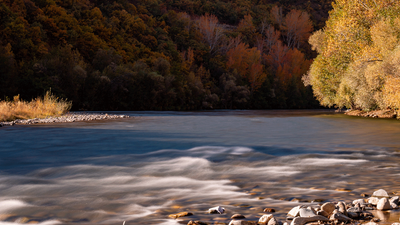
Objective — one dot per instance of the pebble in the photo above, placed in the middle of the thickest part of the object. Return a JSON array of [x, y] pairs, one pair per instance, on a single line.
[[359, 201], [264, 219], [373, 200], [196, 223], [241, 222], [306, 212], [217, 209], [181, 214], [269, 210], [395, 200], [304, 220], [328, 207], [295, 211], [67, 118], [380, 194], [238, 216], [273, 221], [340, 217], [383, 204]]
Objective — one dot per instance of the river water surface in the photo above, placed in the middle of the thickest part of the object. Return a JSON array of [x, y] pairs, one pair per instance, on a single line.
[[141, 169]]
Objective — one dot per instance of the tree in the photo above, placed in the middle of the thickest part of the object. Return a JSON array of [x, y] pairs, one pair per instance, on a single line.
[[212, 30], [297, 27]]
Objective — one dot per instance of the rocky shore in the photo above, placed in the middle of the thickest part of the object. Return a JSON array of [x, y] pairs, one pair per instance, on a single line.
[[367, 210], [385, 114], [67, 118]]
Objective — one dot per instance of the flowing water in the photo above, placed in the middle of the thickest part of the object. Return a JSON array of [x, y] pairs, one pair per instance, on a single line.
[[141, 169]]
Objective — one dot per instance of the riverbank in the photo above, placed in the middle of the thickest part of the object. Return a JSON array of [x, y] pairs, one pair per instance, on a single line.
[[384, 114], [66, 118]]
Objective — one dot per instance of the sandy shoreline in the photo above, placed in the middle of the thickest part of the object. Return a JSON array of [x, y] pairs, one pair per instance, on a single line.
[[67, 118]]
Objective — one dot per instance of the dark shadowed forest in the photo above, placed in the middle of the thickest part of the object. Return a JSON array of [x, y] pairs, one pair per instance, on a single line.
[[160, 54]]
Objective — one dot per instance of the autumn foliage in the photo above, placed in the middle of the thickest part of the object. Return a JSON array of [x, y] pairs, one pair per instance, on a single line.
[[159, 55]]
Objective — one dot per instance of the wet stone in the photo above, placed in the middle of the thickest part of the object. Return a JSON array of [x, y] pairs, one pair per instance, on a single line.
[[273, 221], [339, 217], [216, 210], [181, 214], [306, 212], [196, 223], [395, 200], [238, 216], [294, 212], [383, 204], [269, 210], [265, 219], [304, 220]]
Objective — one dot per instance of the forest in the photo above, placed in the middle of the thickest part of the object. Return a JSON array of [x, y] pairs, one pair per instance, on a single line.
[[358, 62], [166, 54]]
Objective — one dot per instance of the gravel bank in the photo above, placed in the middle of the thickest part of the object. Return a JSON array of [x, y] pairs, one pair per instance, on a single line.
[[67, 118]]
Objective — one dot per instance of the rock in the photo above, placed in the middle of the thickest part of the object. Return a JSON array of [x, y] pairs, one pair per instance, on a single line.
[[181, 214], [238, 216], [395, 223], [242, 222], [371, 223], [395, 200], [265, 219], [273, 221], [393, 205], [328, 207], [295, 211], [269, 210], [196, 223], [342, 208], [322, 213], [359, 201], [304, 220], [340, 217], [373, 200], [353, 215], [216, 210], [380, 194], [354, 210], [306, 212], [383, 204]]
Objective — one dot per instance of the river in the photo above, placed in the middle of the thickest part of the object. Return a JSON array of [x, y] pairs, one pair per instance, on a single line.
[[143, 168]]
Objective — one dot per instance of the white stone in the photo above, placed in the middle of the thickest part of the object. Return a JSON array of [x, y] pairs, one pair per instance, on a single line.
[[395, 200], [295, 211], [217, 209], [360, 201], [241, 222], [265, 219], [328, 207], [373, 200], [273, 221], [380, 193], [306, 212], [393, 205], [383, 204], [395, 223], [304, 220], [371, 223], [342, 207]]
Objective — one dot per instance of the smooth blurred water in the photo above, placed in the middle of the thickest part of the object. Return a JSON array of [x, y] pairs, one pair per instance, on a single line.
[[143, 168]]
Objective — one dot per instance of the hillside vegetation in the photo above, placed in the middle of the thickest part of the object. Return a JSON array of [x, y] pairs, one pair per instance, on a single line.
[[358, 63], [160, 54]]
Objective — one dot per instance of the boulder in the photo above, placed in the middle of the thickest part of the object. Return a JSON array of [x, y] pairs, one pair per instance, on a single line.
[[380, 194], [328, 207], [383, 204], [216, 210], [304, 220]]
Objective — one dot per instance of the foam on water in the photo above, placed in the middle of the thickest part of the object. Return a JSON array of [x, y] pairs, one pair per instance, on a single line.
[[48, 222], [329, 161], [7, 206]]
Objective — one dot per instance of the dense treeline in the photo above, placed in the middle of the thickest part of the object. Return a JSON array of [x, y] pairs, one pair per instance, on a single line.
[[359, 55], [160, 54]]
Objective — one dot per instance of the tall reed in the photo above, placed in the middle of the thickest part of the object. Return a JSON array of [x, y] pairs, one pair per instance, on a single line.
[[44, 107]]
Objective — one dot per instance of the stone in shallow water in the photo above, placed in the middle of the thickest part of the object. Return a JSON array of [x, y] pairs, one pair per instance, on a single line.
[[196, 223], [342, 208], [304, 220], [242, 222], [359, 201], [328, 207], [269, 210], [395, 200], [216, 210], [380, 194], [383, 204], [181, 214], [238, 216], [273, 221]]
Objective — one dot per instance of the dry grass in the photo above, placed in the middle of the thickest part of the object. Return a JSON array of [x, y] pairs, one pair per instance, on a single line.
[[44, 107]]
